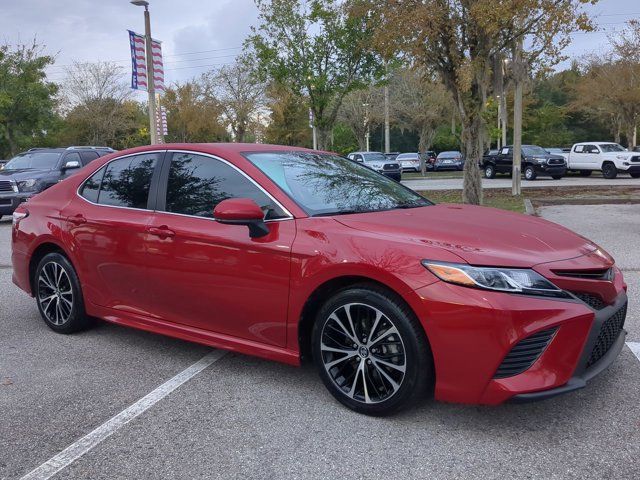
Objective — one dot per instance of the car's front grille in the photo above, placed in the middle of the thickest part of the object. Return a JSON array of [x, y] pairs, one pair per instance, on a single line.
[[608, 334], [524, 354], [590, 299], [6, 186], [635, 159], [391, 166], [556, 161]]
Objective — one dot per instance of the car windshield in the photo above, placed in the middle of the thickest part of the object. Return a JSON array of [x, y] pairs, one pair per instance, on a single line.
[[407, 156], [324, 184], [39, 160], [554, 150], [374, 157], [533, 150], [611, 147]]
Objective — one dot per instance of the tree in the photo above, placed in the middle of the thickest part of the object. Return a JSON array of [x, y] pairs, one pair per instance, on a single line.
[[360, 110], [192, 116], [421, 104], [288, 118], [96, 97], [459, 40], [320, 49], [239, 93], [27, 100], [612, 83]]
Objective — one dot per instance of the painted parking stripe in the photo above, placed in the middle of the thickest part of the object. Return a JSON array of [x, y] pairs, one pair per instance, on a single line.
[[86, 443], [635, 348]]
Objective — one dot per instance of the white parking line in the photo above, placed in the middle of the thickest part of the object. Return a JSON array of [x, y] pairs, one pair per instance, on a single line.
[[635, 348], [86, 443]]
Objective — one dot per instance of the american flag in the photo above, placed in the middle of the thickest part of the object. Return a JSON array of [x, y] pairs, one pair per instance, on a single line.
[[139, 62]]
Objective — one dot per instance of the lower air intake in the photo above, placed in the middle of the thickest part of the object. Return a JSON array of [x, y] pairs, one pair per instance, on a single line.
[[525, 352]]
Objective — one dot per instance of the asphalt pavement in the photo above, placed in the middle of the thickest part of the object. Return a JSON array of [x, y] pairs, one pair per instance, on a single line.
[[247, 418], [435, 182]]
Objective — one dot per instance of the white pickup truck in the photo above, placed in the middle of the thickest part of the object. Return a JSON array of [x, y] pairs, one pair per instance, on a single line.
[[610, 158]]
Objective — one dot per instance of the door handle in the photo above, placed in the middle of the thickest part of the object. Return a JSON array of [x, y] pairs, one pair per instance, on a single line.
[[162, 231], [77, 219]]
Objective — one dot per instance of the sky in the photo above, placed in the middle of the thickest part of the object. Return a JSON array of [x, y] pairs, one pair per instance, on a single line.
[[196, 35]]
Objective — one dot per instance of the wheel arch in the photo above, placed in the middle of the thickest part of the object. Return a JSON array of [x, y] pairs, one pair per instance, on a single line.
[[329, 288], [46, 247]]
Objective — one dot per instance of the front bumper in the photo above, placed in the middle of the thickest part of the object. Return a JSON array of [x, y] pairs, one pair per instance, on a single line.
[[10, 201], [472, 331], [544, 169]]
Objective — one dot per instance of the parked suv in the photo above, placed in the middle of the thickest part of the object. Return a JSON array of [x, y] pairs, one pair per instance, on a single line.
[[535, 161], [37, 169], [378, 162]]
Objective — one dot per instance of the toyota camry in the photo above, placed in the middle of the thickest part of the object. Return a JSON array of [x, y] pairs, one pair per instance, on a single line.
[[292, 254]]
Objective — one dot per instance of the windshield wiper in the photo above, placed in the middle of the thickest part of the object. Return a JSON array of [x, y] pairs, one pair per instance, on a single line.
[[341, 212], [411, 205]]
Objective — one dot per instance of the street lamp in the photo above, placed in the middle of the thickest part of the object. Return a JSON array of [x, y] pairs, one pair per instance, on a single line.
[[150, 83]]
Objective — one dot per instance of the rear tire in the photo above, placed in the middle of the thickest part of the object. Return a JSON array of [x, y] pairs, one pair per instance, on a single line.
[[370, 351], [489, 171], [609, 171], [530, 173], [58, 294]]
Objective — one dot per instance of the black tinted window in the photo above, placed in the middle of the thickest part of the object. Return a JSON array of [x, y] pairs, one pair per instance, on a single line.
[[88, 156], [198, 183], [92, 186], [126, 182]]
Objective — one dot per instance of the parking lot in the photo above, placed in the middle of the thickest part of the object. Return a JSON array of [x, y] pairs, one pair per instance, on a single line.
[[242, 417]]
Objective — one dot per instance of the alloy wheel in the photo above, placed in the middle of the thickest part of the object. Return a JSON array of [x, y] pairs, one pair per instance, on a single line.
[[55, 293], [363, 353]]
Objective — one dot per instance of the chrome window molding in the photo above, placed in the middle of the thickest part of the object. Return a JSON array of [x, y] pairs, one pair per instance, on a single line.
[[193, 152]]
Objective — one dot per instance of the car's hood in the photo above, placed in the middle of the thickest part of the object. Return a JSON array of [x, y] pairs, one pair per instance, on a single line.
[[22, 174], [479, 235]]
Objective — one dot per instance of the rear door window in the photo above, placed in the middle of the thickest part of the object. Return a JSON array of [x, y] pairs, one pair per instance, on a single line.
[[87, 157], [124, 182]]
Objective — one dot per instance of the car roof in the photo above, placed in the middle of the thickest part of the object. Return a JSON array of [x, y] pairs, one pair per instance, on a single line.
[[216, 148], [597, 143], [361, 153]]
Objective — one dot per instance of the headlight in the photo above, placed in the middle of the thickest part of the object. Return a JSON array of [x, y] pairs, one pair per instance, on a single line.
[[513, 280], [27, 185], [622, 157], [539, 159]]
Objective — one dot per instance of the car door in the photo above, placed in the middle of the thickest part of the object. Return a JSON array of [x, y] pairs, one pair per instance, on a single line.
[[213, 276], [108, 225], [578, 157], [505, 160], [592, 157]]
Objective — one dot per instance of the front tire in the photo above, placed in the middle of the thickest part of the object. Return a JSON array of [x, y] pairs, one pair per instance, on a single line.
[[58, 294], [489, 171], [609, 171], [370, 351], [530, 173]]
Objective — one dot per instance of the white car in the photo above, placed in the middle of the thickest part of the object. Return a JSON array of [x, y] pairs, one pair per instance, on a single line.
[[409, 162], [608, 157]]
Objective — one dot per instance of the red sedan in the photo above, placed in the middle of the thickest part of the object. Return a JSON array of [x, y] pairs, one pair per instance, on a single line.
[[287, 253]]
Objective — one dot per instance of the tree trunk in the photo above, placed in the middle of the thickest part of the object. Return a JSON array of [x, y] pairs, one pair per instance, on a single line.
[[472, 144], [426, 139], [324, 137], [629, 131], [10, 137]]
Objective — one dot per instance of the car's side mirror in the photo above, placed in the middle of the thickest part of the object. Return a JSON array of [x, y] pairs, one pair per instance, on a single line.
[[242, 211], [71, 164]]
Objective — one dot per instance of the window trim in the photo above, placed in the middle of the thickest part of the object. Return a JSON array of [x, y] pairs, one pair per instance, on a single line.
[[153, 187], [163, 182]]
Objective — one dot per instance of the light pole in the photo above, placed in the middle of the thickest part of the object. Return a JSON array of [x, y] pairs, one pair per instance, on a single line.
[[150, 83], [366, 123]]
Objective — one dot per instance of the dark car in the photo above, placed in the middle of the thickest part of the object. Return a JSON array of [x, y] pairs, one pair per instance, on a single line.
[[452, 160], [37, 169], [535, 161], [378, 162]]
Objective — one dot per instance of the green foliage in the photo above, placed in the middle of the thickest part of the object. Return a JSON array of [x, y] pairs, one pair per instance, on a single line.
[[320, 50], [26, 98], [289, 118], [344, 141]]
